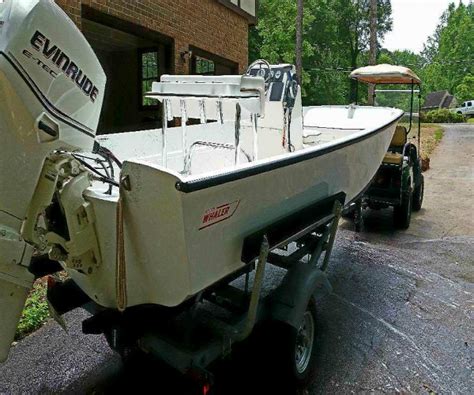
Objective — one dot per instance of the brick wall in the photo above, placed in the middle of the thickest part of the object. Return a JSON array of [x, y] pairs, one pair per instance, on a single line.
[[205, 24]]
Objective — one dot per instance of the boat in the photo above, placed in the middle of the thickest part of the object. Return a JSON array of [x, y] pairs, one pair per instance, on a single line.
[[169, 214], [188, 212]]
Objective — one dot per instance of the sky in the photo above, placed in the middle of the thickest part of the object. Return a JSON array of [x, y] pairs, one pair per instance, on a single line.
[[413, 22]]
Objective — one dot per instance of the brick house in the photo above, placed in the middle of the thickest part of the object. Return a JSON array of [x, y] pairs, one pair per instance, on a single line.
[[136, 41]]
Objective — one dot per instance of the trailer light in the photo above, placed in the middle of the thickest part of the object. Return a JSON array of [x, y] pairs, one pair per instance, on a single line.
[[206, 388]]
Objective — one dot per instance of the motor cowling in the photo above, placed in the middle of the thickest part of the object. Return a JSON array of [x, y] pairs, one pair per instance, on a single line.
[[51, 93]]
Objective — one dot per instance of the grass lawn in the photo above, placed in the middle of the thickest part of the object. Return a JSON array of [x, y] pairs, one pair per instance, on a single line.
[[35, 312], [431, 135], [471, 120]]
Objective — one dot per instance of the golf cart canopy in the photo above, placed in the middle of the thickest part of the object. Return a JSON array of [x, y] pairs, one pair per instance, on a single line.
[[385, 74]]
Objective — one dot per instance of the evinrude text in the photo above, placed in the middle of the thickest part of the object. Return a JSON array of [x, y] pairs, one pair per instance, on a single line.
[[63, 62]]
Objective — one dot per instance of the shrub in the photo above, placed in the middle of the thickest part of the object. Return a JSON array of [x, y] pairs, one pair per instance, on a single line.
[[35, 312], [442, 115]]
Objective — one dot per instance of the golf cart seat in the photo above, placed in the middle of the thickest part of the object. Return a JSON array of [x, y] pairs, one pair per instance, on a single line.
[[394, 156]]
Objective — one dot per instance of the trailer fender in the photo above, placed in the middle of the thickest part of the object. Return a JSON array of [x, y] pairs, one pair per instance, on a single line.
[[288, 302]]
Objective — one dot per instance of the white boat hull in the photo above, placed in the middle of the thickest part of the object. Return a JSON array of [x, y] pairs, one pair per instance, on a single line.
[[184, 234]]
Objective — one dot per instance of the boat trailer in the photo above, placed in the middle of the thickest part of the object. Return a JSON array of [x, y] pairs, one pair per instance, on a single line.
[[203, 329]]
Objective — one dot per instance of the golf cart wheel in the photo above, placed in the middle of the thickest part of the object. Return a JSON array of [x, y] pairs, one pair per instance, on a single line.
[[293, 356], [402, 213], [418, 195]]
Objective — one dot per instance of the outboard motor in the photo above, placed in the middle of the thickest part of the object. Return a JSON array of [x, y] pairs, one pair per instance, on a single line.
[[51, 93]]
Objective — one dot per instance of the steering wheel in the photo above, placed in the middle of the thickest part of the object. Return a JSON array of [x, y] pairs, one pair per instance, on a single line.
[[261, 62]]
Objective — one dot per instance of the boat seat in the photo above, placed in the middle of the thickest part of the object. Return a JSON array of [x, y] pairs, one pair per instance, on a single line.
[[399, 139], [393, 158], [394, 155]]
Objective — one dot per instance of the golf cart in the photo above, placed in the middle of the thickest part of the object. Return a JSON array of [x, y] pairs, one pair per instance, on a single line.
[[398, 182]]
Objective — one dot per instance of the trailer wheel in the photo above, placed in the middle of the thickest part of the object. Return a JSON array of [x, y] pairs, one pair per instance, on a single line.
[[293, 350], [304, 344], [402, 212], [418, 195]]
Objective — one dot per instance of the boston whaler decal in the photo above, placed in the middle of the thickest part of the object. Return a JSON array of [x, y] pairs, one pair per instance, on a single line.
[[62, 62], [218, 214]]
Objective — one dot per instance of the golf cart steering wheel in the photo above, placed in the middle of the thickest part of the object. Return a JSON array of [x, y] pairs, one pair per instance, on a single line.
[[261, 62]]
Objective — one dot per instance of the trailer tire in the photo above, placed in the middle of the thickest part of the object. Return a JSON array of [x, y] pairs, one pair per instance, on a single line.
[[402, 212], [418, 194], [293, 351]]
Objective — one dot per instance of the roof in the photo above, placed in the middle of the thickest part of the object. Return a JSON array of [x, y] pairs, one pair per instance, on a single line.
[[385, 74], [438, 99], [447, 101], [247, 9]]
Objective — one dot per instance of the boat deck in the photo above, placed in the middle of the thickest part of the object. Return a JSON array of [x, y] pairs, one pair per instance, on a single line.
[[212, 145]]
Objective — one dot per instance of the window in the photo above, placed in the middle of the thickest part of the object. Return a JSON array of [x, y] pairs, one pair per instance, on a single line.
[[469, 103], [244, 7], [149, 74], [204, 66], [207, 63], [248, 6]]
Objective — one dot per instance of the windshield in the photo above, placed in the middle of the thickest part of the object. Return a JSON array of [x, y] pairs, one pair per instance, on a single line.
[[398, 96]]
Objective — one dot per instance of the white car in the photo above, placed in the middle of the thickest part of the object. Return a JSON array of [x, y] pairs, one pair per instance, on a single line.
[[467, 108]]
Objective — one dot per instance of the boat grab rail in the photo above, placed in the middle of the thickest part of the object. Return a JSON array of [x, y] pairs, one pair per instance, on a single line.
[[184, 87], [188, 159]]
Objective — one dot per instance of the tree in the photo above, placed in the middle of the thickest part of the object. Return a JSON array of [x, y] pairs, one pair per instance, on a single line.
[[335, 38], [299, 39], [274, 36], [355, 21], [465, 90], [449, 53], [373, 45]]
